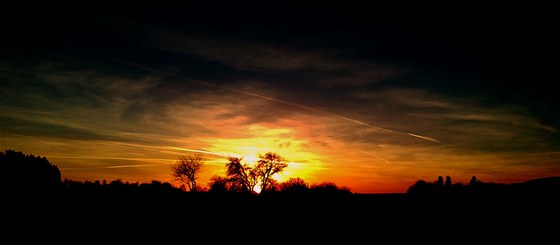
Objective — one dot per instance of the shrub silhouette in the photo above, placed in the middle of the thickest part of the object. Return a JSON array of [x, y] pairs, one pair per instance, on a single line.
[[219, 184], [117, 186], [329, 188], [294, 185]]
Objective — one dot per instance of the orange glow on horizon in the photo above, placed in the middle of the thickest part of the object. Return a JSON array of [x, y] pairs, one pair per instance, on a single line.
[[315, 152]]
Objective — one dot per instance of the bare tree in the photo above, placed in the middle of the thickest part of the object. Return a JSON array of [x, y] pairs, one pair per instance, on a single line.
[[269, 164], [187, 168]]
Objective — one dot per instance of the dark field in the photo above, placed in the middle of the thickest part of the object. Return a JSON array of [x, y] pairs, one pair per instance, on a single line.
[[353, 212]]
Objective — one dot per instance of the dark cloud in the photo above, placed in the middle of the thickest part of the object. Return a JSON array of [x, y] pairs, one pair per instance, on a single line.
[[38, 129]]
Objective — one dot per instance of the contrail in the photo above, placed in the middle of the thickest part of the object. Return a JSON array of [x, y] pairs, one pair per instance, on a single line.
[[315, 110], [200, 151], [207, 152], [324, 112], [291, 104], [112, 167], [373, 155], [130, 166], [111, 158], [424, 137], [361, 123]]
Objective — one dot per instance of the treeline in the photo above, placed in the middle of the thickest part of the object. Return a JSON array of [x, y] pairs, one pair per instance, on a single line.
[[479, 197], [447, 186], [242, 177], [296, 185], [26, 173], [291, 186], [117, 186], [476, 186]]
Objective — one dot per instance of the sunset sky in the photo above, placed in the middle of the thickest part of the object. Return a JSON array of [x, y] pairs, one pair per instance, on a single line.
[[368, 96]]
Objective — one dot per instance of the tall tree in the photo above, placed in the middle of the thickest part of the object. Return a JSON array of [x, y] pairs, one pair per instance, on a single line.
[[187, 169], [241, 176], [269, 164]]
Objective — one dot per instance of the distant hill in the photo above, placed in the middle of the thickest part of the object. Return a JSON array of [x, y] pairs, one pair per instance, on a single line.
[[544, 181], [548, 184]]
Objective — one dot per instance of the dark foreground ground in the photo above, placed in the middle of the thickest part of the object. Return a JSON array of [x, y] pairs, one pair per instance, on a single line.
[[267, 218]]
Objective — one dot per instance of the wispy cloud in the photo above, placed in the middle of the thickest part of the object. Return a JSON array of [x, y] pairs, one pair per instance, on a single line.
[[322, 67], [242, 54]]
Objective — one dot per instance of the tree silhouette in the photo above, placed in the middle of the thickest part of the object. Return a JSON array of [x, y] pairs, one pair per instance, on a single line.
[[241, 176], [420, 187], [269, 164], [218, 184], [329, 188], [448, 182], [473, 182], [439, 182], [118, 187], [28, 173], [294, 185], [187, 168]]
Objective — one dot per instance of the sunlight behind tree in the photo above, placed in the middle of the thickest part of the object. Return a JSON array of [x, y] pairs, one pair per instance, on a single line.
[[256, 177], [269, 164]]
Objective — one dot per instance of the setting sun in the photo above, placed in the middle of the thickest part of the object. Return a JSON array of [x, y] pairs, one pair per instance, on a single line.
[[250, 159], [302, 161]]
